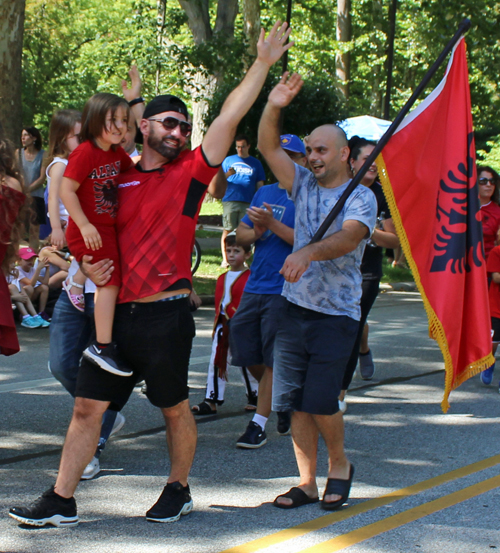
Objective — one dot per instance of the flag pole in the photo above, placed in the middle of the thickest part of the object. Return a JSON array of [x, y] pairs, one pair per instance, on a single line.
[[463, 27]]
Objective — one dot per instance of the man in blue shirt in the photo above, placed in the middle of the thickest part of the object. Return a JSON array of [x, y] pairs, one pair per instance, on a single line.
[[269, 224], [244, 175]]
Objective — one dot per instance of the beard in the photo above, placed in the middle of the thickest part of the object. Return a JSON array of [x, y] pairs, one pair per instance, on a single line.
[[156, 143]]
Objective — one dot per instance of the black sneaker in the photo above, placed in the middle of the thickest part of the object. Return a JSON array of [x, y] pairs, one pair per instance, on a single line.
[[284, 421], [253, 437], [50, 508], [107, 358], [174, 501]]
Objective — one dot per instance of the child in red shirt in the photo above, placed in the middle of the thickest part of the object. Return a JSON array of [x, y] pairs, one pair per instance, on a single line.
[[89, 193], [228, 292]]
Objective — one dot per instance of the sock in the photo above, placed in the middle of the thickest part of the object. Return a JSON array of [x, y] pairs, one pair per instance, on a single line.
[[102, 346], [26, 316], [260, 420]]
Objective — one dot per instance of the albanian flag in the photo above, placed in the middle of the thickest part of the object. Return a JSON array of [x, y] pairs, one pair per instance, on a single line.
[[428, 174]]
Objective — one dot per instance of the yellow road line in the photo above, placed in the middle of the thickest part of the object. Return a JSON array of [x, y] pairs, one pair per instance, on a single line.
[[371, 530], [327, 520]]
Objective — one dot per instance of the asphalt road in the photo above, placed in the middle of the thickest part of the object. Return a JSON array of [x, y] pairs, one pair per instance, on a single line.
[[425, 481]]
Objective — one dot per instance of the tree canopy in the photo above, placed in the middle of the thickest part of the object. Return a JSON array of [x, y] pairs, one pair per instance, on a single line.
[[74, 48]]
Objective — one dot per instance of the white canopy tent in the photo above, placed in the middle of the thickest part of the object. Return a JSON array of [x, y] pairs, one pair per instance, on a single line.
[[365, 126]]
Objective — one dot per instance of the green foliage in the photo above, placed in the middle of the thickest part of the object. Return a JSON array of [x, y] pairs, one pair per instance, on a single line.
[[317, 103], [74, 48], [211, 208], [491, 156]]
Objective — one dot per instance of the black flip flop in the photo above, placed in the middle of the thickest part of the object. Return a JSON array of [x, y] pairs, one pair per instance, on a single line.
[[298, 497], [336, 486], [202, 409]]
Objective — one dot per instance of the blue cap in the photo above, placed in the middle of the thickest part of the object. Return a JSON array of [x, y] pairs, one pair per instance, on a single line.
[[292, 143]]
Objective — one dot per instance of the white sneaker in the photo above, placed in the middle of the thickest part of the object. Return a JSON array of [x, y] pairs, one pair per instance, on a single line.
[[118, 425], [342, 406], [91, 470]]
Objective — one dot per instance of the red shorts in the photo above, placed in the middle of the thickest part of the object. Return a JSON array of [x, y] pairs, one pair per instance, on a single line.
[[108, 250]]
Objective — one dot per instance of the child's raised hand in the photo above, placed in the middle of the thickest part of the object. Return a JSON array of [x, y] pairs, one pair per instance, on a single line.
[[91, 237]]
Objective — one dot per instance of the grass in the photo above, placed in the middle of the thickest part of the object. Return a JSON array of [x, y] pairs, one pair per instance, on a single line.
[[201, 233], [209, 270], [395, 274], [211, 208]]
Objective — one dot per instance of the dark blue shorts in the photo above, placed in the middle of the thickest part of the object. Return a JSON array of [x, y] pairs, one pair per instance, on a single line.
[[155, 340], [311, 351], [253, 328]]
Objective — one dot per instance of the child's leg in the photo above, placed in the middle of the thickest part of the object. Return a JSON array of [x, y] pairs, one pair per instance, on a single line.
[[103, 352], [74, 287], [215, 386], [78, 278], [29, 306], [21, 308], [28, 290], [41, 294], [104, 313]]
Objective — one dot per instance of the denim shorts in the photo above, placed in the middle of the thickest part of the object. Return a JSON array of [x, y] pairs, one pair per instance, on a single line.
[[311, 351], [253, 328], [155, 340]]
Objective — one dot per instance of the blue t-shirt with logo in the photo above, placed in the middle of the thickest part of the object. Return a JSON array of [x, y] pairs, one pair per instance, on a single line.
[[270, 250], [241, 186], [334, 286]]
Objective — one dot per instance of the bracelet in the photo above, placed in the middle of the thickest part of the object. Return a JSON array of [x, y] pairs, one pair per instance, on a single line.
[[135, 101]]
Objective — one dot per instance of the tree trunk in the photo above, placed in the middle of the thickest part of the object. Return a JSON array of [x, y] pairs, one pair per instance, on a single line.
[[251, 18], [11, 49], [204, 85], [342, 60], [160, 28], [376, 103], [198, 19]]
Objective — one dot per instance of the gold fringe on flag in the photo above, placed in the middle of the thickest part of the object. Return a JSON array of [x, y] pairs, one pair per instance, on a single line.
[[436, 330]]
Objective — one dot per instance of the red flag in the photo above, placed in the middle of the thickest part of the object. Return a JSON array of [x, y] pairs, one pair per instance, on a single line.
[[428, 173]]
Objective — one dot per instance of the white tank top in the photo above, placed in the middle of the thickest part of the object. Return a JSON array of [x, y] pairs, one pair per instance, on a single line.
[[63, 214]]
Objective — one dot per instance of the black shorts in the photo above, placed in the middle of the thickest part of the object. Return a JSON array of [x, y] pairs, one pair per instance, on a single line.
[[155, 340], [495, 330]]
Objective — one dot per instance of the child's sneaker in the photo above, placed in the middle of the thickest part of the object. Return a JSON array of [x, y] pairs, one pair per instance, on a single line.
[[487, 375], [42, 321], [107, 358], [31, 322]]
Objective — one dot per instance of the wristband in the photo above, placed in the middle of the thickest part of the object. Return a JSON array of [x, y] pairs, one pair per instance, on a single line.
[[135, 101]]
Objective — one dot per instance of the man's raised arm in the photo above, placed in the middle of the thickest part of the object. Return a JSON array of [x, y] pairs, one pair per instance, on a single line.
[[221, 132], [269, 143]]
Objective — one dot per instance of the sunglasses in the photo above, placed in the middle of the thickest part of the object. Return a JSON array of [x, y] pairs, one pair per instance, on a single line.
[[170, 123], [485, 181]]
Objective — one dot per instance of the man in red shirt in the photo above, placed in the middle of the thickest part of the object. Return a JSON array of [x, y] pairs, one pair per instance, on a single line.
[[159, 203]]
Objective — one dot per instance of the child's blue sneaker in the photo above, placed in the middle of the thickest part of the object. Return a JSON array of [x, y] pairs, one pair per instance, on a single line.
[[487, 375]]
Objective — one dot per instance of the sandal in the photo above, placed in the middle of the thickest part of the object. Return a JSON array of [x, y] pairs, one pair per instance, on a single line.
[[298, 497], [336, 486], [78, 301], [203, 408]]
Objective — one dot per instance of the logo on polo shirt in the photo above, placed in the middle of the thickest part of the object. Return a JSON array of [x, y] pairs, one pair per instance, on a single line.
[[132, 183]]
